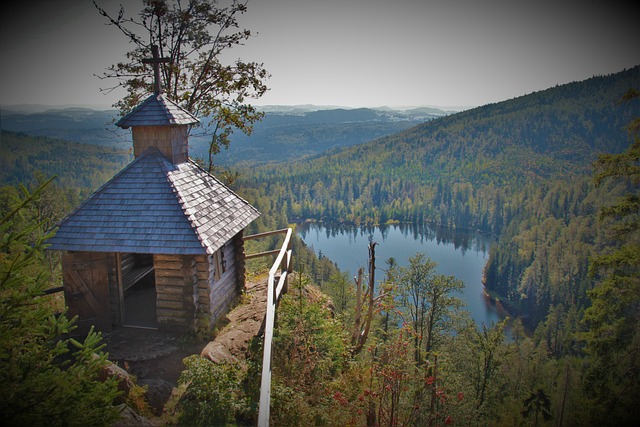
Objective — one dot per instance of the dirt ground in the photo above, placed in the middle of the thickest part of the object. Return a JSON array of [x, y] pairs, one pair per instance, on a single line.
[[155, 357]]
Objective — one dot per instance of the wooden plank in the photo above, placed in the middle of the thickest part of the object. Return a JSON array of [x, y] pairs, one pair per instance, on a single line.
[[261, 254], [264, 407], [168, 265], [202, 275], [175, 305], [174, 290], [177, 281], [120, 289], [169, 273], [265, 383], [86, 286], [81, 287], [168, 313], [134, 275], [266, 234], [53, 290], [170, 297]]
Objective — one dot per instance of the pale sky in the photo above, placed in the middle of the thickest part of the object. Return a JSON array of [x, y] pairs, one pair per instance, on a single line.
[[353, 53]]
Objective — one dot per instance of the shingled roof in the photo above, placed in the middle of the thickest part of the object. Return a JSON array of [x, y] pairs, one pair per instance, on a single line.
[[154, 206], [157, 110]]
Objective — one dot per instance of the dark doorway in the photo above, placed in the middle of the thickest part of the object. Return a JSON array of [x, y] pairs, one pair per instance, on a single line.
[[139, 286]]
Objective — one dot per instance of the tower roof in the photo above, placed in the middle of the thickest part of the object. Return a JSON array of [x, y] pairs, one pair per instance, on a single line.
[[157, 110], [154, 206]]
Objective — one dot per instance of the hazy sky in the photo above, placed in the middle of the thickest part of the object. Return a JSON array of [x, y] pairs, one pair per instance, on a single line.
[[343, 52]]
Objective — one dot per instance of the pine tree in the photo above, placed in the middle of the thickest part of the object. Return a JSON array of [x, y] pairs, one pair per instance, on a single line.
[[47, 378], [613, 339]]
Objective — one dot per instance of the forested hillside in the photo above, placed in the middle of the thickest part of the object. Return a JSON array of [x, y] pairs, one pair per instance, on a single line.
[[565, 262], [294, 134], [519, 170], [72, 124], [77, 165]]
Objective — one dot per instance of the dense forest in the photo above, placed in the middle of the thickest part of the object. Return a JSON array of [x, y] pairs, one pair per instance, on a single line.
[[83, 125], [520, 170], [77, 165], [565, 262], [527, 171]]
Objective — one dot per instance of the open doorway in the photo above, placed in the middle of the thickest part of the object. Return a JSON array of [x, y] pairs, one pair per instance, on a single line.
[[139, 289]]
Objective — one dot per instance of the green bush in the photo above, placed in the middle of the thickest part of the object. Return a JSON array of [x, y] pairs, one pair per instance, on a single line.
[[213, 393]]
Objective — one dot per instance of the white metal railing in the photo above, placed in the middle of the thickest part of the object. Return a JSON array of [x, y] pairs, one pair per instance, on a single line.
[[281, 268]]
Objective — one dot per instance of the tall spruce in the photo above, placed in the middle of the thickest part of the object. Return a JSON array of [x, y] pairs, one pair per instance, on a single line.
[[613, 319]]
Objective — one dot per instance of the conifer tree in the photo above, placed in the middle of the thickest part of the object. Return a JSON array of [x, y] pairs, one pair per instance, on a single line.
[[47, 377], [613, 338]]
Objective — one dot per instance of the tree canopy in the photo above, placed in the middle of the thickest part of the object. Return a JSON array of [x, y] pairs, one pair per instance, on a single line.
[[191, 36]]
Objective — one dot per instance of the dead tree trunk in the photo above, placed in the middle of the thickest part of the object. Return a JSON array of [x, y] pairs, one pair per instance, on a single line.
[[361, 334], [358, 314]]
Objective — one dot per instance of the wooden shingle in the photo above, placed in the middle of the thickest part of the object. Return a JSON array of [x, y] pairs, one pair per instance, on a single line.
[[157, 110], [154, 206]]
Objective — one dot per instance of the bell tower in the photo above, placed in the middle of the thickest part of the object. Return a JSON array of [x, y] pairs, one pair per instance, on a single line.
[[158, 122]]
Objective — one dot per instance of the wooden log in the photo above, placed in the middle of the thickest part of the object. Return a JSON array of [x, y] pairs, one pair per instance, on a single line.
[[173, 320], [163, 272], [168, 313], [172, 281], [171, 265], [171, 290], [174, 305], [170, 297]]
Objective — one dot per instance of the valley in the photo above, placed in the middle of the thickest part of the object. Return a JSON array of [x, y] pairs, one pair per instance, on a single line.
[[524, 173]]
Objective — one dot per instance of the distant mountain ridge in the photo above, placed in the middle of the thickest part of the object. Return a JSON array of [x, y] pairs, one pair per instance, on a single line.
[[532, 134], [298, 132], [77, 124], [285, 133]]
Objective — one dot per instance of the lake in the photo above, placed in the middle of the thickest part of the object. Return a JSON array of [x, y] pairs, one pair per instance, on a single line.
[[461, 254]]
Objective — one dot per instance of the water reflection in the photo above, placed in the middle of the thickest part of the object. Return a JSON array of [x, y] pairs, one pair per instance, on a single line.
[[458, 253], [462, 240]]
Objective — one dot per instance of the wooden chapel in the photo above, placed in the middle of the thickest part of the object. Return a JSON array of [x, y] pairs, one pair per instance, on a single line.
[[160, 245]]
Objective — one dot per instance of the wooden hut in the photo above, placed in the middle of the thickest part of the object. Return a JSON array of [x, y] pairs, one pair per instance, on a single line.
[[160, 245]]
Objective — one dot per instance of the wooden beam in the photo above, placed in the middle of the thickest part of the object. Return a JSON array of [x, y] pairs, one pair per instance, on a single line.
[[267, 234], [260, 254]]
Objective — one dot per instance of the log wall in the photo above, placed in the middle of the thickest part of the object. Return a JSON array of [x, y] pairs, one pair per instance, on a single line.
[[219, 290], [176, 290], [191, 291], [230, 285]]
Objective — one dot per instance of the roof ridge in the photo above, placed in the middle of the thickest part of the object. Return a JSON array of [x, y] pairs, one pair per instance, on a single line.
[[168, 103], [223, 184], [156, 110], [189, 215]]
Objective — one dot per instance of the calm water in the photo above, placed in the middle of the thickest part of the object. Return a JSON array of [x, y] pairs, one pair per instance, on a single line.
[[459, 254]]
